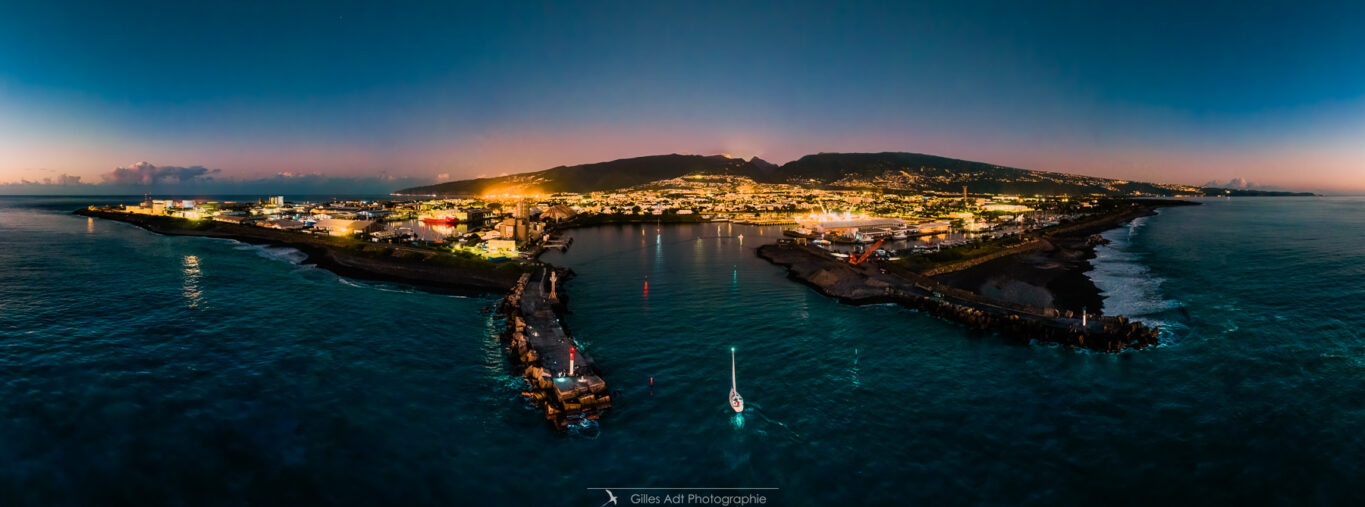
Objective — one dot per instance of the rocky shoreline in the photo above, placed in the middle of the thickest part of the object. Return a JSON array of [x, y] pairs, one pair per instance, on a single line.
[[422, 268]]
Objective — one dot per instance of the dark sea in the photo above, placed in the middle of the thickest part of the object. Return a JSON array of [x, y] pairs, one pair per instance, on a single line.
[[138, 369]]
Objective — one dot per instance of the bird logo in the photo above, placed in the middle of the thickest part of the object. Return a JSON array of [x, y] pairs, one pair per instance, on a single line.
[[610, 500]]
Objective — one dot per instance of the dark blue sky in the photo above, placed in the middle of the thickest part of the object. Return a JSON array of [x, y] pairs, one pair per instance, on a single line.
[[1152, 90]]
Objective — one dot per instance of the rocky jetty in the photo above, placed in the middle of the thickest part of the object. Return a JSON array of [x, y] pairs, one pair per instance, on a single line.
[[561, 378]]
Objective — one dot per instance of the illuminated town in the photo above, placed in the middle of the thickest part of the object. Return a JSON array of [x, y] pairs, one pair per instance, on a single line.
[[502, 226]]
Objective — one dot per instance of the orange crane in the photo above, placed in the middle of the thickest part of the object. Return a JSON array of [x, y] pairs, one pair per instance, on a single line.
[[866, 253]]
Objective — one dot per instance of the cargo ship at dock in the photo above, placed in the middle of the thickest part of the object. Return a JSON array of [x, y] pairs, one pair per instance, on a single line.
[[441, 220]]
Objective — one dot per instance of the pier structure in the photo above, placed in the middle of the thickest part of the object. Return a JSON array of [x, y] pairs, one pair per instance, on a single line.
[[561, 243], [536, 247], [561, 378]]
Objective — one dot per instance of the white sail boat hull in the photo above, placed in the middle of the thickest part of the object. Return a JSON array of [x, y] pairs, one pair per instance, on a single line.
[[736, 401]]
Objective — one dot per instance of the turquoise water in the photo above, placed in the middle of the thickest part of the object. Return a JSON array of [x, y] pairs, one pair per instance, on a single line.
[[143, 369]]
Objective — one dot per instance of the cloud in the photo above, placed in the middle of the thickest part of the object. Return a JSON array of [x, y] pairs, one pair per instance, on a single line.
[[145, 173], [145, 177], [296, 183], [63, 183], [1241, 184]]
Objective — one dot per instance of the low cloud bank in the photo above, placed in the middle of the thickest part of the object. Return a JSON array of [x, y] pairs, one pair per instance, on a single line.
[[144, 177], [145, 173], [1242, 184]]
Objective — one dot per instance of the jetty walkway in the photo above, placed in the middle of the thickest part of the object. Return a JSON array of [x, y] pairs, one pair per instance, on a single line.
[[561, 377]]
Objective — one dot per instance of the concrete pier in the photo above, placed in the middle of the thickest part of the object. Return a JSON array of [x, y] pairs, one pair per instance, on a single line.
[[539, 345], [561, 243]]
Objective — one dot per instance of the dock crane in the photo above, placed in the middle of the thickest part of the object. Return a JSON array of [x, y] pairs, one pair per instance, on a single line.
[[858, 259]]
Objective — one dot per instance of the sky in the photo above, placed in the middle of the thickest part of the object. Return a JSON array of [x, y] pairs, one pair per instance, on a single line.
[[329, 93]]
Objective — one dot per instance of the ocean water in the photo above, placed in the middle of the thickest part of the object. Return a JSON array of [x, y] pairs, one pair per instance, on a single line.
[[148, 370]]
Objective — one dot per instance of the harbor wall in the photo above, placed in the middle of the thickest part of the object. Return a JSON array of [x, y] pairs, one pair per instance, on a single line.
[[570, 393]]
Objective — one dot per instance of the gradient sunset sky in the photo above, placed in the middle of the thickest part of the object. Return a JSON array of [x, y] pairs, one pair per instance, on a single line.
[[1156, 91]]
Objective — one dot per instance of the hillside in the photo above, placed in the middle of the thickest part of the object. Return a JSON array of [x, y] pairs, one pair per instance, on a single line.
[[889, 170], [919, 172], [601, 176]]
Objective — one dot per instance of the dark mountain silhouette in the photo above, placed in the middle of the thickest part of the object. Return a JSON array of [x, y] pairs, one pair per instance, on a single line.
[[763, 165], [621, 173], [889, 170]]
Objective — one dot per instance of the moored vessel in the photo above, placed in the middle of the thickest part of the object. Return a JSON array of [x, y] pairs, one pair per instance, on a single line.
[[441, 220]]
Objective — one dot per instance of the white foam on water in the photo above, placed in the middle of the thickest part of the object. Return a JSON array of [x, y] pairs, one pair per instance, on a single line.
[[586, 428], [279, 253], [397, 288], [376, 286], [737, 421], [1127, 284]]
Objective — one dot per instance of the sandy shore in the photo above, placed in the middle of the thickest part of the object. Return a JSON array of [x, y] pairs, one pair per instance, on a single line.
[[380, 262]]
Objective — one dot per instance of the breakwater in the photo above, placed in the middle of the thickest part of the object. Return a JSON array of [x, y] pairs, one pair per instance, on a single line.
[[561, 378], [870, 284]]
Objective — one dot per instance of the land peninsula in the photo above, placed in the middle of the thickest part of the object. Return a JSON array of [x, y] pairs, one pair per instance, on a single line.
[[350, 257], [1031, 287]]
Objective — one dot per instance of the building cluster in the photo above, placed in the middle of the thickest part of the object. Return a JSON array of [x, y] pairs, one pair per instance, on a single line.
[[505, 225], [492, 229], [740, 198], [918, 179], [333, 218]]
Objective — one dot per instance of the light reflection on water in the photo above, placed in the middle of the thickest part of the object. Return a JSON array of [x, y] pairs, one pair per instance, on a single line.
[[194, 295]]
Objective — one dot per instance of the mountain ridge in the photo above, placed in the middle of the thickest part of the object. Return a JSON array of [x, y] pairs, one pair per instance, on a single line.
[[900, 171]]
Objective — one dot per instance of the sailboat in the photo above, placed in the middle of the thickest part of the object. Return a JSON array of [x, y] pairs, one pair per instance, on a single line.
[[736, 401]]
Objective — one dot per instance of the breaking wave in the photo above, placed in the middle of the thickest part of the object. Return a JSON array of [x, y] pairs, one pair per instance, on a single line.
[[1127, 283]]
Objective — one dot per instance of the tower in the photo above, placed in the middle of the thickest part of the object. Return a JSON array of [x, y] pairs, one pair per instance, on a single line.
[[522, 219], [523, 210]]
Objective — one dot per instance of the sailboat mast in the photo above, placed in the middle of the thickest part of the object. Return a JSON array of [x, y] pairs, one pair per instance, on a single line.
[[733, 384]]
